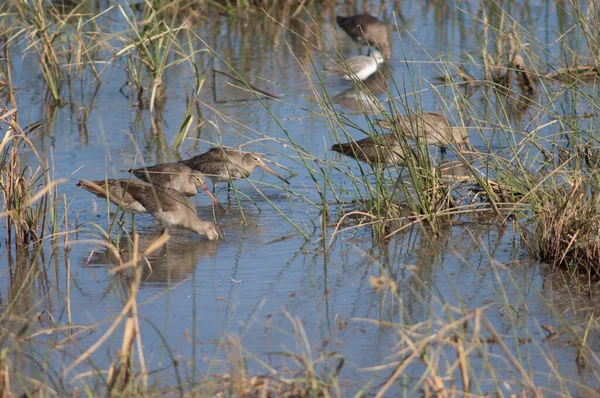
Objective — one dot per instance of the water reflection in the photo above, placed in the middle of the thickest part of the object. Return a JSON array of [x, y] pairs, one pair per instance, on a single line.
[[574, 298], [362, 96], [173, 262], [456, 170], [247, 224], [28, 280]]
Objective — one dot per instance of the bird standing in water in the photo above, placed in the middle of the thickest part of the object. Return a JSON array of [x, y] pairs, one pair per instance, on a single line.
[[431, 128], [224, 164], [175, 176], [167, 205]]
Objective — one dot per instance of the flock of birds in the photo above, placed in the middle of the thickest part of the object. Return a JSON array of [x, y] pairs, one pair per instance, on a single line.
[[430, 128], [163, 190]]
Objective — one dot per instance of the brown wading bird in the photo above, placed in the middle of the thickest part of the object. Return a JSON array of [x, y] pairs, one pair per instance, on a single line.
[[167, 205], [224, 164], [175, 176], [365, 29], [382, 149], [429, 127]]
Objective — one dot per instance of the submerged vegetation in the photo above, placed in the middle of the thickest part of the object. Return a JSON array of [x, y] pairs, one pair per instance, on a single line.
[[529, 161]]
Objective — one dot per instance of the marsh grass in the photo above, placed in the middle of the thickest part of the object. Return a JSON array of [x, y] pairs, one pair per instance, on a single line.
[[150, 49], [532, 176], [552, 176], [387, 195], [567, 226], [119, 378], [47, 31], [307, 372], [546, 185], [461, 351], [540, 179], [29, 193]]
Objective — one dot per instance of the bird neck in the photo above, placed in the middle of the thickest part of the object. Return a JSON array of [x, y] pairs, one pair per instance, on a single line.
[[247, 166], [385, 50]]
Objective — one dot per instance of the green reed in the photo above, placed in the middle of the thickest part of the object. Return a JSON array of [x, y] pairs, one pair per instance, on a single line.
[[193, 57], [150, 48], [47, 32]]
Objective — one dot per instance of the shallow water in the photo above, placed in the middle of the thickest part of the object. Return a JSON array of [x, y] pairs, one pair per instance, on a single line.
[[264, 273]]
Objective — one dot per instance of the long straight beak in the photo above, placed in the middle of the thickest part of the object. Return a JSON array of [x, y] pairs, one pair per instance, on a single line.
[[264, 166], [212, 197]]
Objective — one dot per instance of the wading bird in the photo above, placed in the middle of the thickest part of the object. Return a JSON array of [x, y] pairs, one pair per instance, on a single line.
[[175, 176], [167, 205], [224, 164], [429, 127]]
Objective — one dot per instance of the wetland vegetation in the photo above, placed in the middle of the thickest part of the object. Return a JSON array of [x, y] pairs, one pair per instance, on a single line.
[[464, 269]]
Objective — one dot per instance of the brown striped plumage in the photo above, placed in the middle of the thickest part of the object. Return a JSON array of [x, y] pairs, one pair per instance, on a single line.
[[116, 192], [171, 175]]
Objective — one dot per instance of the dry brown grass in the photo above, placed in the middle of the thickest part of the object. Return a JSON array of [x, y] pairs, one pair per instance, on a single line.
[[29, 193], [568, 225]]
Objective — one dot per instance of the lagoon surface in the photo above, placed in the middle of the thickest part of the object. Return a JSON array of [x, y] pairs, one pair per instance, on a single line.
[[287, 277]]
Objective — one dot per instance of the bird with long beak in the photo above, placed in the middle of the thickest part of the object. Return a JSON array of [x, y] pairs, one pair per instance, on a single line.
[[225, 164], [176, 176], [431, 128], [167, 205]]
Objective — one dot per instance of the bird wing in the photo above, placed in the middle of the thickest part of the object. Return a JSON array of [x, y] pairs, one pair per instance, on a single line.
[[204, 161], [160, 174], [217, 162], [155, 199], [113, 189]]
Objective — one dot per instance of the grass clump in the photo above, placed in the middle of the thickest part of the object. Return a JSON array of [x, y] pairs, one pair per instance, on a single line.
[[567, 226], [29, 194]]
